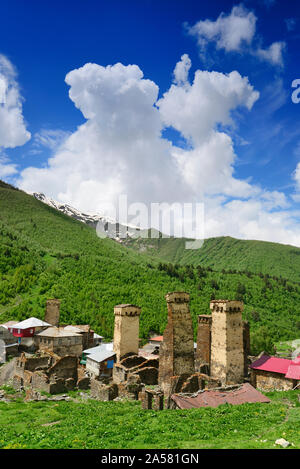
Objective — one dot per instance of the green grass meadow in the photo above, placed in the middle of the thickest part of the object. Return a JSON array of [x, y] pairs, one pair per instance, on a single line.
[[111, 425]]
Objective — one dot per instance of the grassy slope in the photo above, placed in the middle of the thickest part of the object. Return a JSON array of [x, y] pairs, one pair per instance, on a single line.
[[93, 424], [227, 253], [44, 254]]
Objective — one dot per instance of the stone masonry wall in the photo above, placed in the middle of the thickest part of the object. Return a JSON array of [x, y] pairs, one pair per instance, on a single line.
[[267, 381]]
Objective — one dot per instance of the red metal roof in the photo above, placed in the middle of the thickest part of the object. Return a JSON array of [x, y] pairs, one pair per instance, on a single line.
[[158, 338], [245, 393], [293, 371], [272, 364], [289, 368]]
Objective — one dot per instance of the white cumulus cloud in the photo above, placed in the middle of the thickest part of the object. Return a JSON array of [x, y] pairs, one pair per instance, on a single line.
[[13, 131], [235, 32], [120, 149], [229, 32]]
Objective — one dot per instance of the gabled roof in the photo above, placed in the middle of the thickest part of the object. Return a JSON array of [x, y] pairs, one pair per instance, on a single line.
[[9, 324], [101, 352], [108, 346], [30, 322], [101, 355], [289, 368], [57, 332]]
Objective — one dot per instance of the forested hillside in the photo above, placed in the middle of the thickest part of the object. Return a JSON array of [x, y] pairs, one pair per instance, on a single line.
[[45, 254], [226, 253]]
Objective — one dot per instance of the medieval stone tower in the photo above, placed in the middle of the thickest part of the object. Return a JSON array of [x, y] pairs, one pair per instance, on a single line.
[[203, 341], [52, 312], [176, 354], [126, 333], [227, 348]]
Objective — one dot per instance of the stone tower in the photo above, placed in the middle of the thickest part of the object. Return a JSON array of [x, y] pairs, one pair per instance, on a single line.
[[203, 341], [52, 312], [176, 354], [126, 333], [227, 348]]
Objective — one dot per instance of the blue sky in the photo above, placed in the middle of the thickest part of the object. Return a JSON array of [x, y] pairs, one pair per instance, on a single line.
[[44, 41]]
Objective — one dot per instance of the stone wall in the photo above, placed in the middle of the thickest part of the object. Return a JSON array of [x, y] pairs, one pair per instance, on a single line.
[[267, 381], [176, 354], [7, 336], [62, 346], [227, 348], [126, 332], [46, 373]]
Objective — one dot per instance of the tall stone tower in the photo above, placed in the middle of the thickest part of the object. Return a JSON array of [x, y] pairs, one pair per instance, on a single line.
[[203, 341], [227, 349], [52, 312], [126, 333], [176, 354]]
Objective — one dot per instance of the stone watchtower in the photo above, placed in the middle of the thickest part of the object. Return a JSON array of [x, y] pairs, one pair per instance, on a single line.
[[126, 333], [52, 312], [203, 341], [176, 354], [227, 350]]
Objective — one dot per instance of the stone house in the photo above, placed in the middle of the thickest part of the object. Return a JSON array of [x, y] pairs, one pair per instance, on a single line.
[[85, 331], [60, 341], [272, 373], [46, 372]]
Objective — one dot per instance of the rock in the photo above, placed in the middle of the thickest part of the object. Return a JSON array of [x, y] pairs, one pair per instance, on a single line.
[[282, 442]]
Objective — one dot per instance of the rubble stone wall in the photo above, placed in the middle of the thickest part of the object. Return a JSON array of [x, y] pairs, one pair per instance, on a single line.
[[267, 381]]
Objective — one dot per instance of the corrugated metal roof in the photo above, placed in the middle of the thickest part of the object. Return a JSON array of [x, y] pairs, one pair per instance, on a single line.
[[293, 371], [245, 393], [289, 368], [109, 346], [100, 355], [272, 364], [30, 322]]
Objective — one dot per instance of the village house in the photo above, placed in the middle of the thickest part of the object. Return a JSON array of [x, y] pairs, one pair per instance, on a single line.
[[99, 360], [85, 331], [60, 341], [272, 373], [25, 331]]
